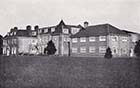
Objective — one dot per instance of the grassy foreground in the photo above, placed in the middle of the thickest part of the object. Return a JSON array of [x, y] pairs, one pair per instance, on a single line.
[[69, 72]]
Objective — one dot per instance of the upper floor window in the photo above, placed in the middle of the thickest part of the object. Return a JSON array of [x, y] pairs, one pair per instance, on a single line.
[[74, 50], [124, 39], [83, 39], [14, 33], [102, 38], [74, 40], [102, 49], [66, 31], [52, 29], [11, 34], [83, 49], [92, 39], [114, 38], [34, 33], [74, 30], [39, 31], [92, 49], [45, 30]]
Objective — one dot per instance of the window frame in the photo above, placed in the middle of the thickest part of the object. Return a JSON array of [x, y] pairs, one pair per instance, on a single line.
[[83, 39], [102, 38], [92, 39], [74, 40], [82, 49]]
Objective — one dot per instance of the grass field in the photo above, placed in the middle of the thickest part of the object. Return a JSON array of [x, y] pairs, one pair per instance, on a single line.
[[69, 72]]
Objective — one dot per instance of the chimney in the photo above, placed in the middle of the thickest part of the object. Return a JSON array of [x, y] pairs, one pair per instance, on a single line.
[[28, 27], [36, 27], [85, 24], [15, 28]]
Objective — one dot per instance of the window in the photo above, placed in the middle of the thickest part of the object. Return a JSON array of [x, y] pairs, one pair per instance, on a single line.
[[124, 39], [74, 30], [114, 38], [74, 40], [66, 31], [52, 29], [92, 39], [14, 33], [34, 33], [82, 39], [102, 38], [39, 31], [45, 30], [74, 50], [92, 49], [83, 49], [102, 49], [14, 41]]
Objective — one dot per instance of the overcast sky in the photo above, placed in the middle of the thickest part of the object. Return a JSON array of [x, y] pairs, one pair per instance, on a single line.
[[124, 14]]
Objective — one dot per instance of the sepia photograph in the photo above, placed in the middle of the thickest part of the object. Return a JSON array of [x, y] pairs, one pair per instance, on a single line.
[[70, 44]]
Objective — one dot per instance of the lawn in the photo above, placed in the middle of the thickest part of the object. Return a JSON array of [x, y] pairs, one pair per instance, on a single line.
[[69, 72]]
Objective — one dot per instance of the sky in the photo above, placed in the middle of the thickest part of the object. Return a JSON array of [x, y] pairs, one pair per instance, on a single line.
[[124, 14]]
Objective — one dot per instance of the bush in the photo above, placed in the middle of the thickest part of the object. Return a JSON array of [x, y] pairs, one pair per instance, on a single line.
[[137, 49], [50, 49], [108, 53]]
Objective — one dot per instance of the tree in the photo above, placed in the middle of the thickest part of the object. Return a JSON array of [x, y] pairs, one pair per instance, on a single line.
[[50, 49], [137, 49], [108, 53], [1, 45]]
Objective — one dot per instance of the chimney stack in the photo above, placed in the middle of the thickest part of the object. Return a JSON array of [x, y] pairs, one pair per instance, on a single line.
[[85, 24], [28, 27]]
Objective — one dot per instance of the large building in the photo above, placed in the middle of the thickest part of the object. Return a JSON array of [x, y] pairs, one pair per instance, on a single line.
[[71, 40], [20, 41], [60, 34], [95, 39]]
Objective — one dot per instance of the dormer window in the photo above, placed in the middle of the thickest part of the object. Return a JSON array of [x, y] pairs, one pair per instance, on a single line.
[[39, 31], [74, 30], [66, 31], [14, 33], [11, 34], [34, 33], [45, 30], [52, 29]]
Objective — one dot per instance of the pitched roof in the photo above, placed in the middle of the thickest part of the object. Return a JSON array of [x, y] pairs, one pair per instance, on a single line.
[[97, 30], [21, 33], [59, 27]]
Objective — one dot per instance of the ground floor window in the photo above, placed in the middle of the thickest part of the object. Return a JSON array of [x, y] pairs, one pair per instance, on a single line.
[[102, 49], [92, 49], [82, 49], [74, 50]]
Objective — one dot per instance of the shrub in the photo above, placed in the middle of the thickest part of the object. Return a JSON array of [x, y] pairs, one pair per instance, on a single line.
[[137, 49], [50, 49], [108, 53]]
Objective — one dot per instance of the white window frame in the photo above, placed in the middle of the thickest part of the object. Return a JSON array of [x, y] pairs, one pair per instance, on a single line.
[[74, 40], [102, 38], [92, 39], [45, 30], [92, 49], [114, 38], [82, 49], [65, 30], [74, 50], [102, 49], [83, 39], [124, 39], [52, 29], [74, 30]]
